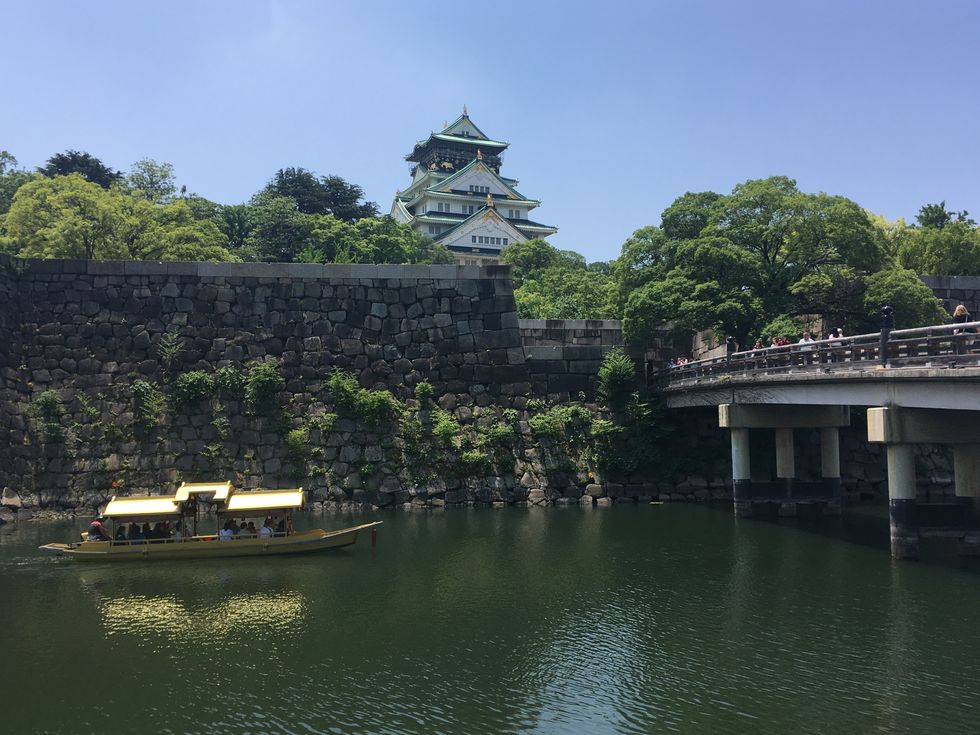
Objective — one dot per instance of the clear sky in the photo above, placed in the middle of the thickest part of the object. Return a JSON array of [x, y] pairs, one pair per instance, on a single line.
[[612, 109]]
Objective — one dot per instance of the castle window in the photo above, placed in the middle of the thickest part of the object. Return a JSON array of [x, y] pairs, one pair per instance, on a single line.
[[473, 238]]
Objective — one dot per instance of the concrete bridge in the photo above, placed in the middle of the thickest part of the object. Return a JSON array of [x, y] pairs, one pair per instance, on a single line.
[[919, 386]]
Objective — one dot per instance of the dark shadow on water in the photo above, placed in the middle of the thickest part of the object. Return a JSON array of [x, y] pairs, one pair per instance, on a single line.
[[863, 525]]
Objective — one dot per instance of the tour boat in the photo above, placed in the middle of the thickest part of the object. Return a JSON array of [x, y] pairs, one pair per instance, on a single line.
[[184, 507]]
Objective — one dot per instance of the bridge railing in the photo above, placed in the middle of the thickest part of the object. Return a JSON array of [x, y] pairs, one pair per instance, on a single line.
[[945, 345]]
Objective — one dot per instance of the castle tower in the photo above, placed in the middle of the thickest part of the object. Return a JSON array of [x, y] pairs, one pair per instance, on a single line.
[[458, 197]]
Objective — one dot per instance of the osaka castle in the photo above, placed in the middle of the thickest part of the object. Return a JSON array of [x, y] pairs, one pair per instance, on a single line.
[[458, 197]]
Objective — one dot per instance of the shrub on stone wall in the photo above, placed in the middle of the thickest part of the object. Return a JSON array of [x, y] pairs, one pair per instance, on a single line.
[[263, 381], [192, 387], [148, 404], [617, 376], [229, 382], [50, 409]]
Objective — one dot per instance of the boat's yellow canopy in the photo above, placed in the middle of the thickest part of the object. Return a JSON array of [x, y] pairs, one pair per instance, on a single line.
[[144, 508], [263, 501], [220, 490]]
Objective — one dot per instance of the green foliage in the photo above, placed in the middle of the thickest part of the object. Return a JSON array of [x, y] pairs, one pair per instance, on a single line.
[[617, 374], [151, 181], [222, 426], [323, 423], [230, 383], [568, 420], [298, 445], [169, 349], [84, 165], [50, 409], [501, 436], [193, 387], [374, 407], [445, 427], [734, 263], [90, 410], [263, 381], [329, 195], [474, 462], [633, 442], [557, 284], [423, 391], [367, 470], [69, 217], [788, 327], [148, 406], [11, 179], [913, 301], [378, 407]]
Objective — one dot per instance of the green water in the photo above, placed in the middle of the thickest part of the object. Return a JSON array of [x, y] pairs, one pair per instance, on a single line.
[[619, 620]]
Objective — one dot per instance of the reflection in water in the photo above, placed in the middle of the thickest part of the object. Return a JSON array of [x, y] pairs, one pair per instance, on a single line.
[[611, 621], [253, 615]]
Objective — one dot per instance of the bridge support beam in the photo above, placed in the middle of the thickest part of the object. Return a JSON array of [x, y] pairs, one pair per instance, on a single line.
[[741, 472], [966, 476], [830, 466], [787, 491], [785, 468], [900, 429]]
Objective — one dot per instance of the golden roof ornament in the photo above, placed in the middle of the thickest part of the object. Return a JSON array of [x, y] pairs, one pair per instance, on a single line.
[[490, 200], [479, 155], [464, 110]]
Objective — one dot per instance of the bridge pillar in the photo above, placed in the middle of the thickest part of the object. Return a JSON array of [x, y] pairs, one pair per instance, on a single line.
[[787, 491], [785, 468], [899, 429], [830, 466], [902, 521], [966, 477], [741, 472]]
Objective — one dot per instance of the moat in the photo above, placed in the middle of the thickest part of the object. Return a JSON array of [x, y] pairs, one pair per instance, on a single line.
[[674, 618]]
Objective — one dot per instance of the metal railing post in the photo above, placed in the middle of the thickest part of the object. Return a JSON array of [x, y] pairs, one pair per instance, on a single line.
[[887, 315]]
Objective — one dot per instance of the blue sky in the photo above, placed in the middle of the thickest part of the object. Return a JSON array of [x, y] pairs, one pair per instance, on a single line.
[[612, 109]]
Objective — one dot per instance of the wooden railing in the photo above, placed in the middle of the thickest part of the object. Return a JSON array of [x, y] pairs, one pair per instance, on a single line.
[[942, 346]]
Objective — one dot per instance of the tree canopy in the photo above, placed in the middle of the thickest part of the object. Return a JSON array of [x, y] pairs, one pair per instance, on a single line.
[[557, 284], [77, 207], [87, 166], [761, 256], [321, 194]]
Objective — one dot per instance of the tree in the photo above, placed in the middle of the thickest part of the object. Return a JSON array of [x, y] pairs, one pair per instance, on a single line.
[[11, 179], [733, 263], [66, 217], [151, 181], [557, 284], [913, 301], [321, 195], [175, 234], [88, 167], [277, 229], [937, 216]]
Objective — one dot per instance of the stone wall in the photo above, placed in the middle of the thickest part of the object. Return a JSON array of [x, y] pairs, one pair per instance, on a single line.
[[559, 332], [954, 290], [90, 329]]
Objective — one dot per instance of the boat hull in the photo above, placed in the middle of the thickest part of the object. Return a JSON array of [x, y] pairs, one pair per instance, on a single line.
[[207, 547]]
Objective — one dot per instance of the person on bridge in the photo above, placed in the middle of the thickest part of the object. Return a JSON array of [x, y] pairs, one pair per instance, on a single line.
[[962, 316]]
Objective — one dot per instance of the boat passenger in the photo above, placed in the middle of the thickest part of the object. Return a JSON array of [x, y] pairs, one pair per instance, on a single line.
[[147, 533], [226, 533], [135, 534], [96, 531], [242, 530], [281, 526], [176, 533], [252, 530], [266, 530], [121, 532]]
